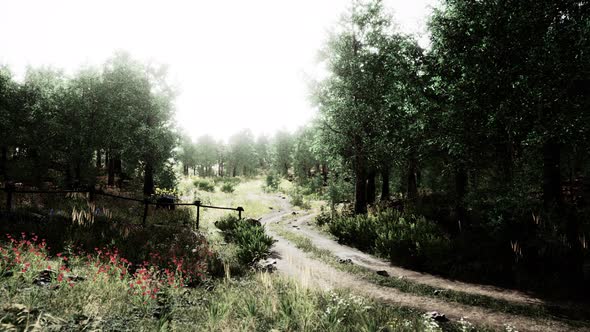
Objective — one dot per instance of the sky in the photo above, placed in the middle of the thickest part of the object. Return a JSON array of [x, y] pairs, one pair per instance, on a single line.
[[237, 64]]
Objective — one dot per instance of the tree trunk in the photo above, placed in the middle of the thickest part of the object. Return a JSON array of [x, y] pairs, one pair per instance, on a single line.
[[551, 174], [234, 170], [98, 159], [325, 174], [36, 168], [460, 191], [111, 172], [371, 187], [412, 179], [68, 177], [385, 193], [360, 190], [77, 174], [148, 179], [118, 166], [3, 160]]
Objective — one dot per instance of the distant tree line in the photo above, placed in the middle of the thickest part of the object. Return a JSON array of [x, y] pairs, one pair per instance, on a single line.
[[68, 130], [285, 153]]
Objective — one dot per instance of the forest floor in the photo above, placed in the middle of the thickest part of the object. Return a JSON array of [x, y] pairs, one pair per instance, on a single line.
[[315, 259]]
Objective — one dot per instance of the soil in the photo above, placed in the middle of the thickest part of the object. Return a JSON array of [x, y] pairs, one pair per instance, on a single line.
[[311, 272]]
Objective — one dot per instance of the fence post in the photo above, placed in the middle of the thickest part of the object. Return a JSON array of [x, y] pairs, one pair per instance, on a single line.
[[198, 205], [240, 209], [8, 197], [145, 210]]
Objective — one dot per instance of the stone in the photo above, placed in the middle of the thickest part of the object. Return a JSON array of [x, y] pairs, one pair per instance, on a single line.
[[383, 273], [345, 261], [253, 222], [44, 278], [437, 316], [267, 266]]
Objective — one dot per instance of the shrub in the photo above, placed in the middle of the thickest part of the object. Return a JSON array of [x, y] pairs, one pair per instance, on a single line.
[[272, 182], [205, 185], [233, 180], [297, 199], [228, 187], [252, 241], [402, 238], [323, 218]]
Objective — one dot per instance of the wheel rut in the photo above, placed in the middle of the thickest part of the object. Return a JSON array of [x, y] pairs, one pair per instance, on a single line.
[[311, 272]]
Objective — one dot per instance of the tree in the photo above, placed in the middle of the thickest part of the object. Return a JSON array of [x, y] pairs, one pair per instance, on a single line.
[[362, 101], [140, 99], [282, 149], [206, 153], [304, 159], [241, 153], [262, 151]]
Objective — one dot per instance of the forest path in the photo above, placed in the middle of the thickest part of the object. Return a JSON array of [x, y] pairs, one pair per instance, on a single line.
[[294, 262]]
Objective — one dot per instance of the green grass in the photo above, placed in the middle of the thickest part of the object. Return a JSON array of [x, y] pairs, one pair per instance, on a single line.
[[258, 302], [247, 194], [575, 318]]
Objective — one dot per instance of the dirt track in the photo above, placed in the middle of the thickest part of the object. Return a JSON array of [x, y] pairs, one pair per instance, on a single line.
[[294, 262]]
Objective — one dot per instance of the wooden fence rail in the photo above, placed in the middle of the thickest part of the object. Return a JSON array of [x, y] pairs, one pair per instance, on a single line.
[[10, 191]]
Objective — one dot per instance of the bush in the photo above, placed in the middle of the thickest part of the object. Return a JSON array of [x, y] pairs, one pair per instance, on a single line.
[[204, 185], [402, 238], [228, 187], [297, 199], [233, 180], [272, 182], [252, 241], [323, 218]]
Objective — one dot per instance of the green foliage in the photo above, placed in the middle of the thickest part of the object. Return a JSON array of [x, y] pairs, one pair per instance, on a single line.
[[282, 150], [253, 243], [204, 184], [272, 182], [241, 154], [324, 218], [403, 238], [228, 187], [339, 190], [250, 237], [298, 199], [165, 177]]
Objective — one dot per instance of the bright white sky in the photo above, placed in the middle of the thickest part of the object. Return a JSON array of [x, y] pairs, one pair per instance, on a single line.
[[239, 64]]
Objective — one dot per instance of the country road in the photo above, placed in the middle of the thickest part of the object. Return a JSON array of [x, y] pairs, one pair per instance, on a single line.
[[294, 262]]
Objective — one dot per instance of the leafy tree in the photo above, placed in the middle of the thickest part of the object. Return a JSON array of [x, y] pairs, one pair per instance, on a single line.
[[365, 104], [242, 153], [262, 151], [282, 149], [304, 159], [206, 153]]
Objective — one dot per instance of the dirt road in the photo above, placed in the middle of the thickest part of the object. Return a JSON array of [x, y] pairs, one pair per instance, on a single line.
[[294, 262]]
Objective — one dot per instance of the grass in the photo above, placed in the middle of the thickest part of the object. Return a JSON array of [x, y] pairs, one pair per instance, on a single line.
[[575, 319], [110, 294], [247, 194], [106, 298]]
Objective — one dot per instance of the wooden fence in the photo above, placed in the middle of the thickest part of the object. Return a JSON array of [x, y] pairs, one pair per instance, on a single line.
[[11, 191]]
